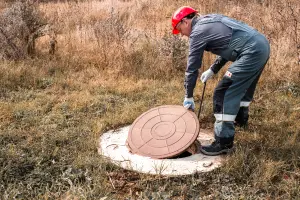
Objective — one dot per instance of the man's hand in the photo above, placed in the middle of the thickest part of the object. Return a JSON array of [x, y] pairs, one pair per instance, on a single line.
[[189, 103], [208, 74]]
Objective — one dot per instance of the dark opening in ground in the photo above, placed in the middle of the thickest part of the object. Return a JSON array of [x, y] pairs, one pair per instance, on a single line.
[[182, 155]]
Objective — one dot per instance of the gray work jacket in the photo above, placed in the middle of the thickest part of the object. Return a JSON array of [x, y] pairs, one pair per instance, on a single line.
[[218, 34]]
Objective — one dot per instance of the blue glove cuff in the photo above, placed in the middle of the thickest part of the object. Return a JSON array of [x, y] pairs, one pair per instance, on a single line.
[[189, 103]]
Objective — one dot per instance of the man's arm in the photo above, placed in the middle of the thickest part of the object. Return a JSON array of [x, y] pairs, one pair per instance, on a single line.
[[196, 50], [218, 64]]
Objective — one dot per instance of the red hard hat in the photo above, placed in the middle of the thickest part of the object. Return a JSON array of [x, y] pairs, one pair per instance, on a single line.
[[179, 14]]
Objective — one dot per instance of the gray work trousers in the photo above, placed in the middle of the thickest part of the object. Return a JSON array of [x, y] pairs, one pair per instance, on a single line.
[[237, 87]]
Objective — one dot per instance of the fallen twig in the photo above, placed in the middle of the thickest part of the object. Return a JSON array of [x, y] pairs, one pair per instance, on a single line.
[[111, 181]]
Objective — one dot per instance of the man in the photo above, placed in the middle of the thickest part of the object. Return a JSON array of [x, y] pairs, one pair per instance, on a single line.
[[230, 40]]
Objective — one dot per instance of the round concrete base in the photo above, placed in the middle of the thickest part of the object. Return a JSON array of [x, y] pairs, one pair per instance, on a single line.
[[112, 145]]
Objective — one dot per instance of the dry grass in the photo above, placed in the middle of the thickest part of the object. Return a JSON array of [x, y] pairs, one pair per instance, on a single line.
[[117, 59]]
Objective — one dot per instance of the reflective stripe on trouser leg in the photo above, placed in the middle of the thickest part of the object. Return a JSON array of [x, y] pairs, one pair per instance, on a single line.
[[232, 88], [244, 103], [243, 113], [224, 126]]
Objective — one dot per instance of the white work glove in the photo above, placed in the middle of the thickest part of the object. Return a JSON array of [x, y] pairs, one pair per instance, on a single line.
[[208, 74], [189, 103]]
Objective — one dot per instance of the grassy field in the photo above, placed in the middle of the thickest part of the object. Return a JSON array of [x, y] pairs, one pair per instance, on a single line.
[[114, 61]]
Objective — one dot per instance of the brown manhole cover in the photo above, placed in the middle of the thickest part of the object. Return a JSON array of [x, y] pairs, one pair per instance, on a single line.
[[163, 132]]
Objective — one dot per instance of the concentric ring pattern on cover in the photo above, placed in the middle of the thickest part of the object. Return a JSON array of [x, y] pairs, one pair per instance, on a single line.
[[163, 132]]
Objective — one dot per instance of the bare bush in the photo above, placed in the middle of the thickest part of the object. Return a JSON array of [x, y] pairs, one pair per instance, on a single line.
[[111, 35], [20, 26], [176, 48], [112, 29]]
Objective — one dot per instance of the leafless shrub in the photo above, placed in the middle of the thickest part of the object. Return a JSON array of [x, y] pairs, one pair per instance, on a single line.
[[112, 29], [142, 60], [20, 26], [175, 48], [111, 34]]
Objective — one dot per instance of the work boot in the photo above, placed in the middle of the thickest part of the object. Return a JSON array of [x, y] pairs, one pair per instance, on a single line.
[[219, 146], [242, 117]]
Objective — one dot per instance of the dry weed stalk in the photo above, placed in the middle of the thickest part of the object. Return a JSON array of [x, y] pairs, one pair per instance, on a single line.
[[111, 35]]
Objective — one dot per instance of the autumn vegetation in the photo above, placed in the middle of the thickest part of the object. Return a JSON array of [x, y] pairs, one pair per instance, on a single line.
[[72, 70]]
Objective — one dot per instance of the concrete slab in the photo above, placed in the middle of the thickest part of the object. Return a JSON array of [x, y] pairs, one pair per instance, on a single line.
[[112, 145]]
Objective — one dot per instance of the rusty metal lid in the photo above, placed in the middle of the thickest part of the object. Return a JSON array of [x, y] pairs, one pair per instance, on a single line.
[[163, 132]]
